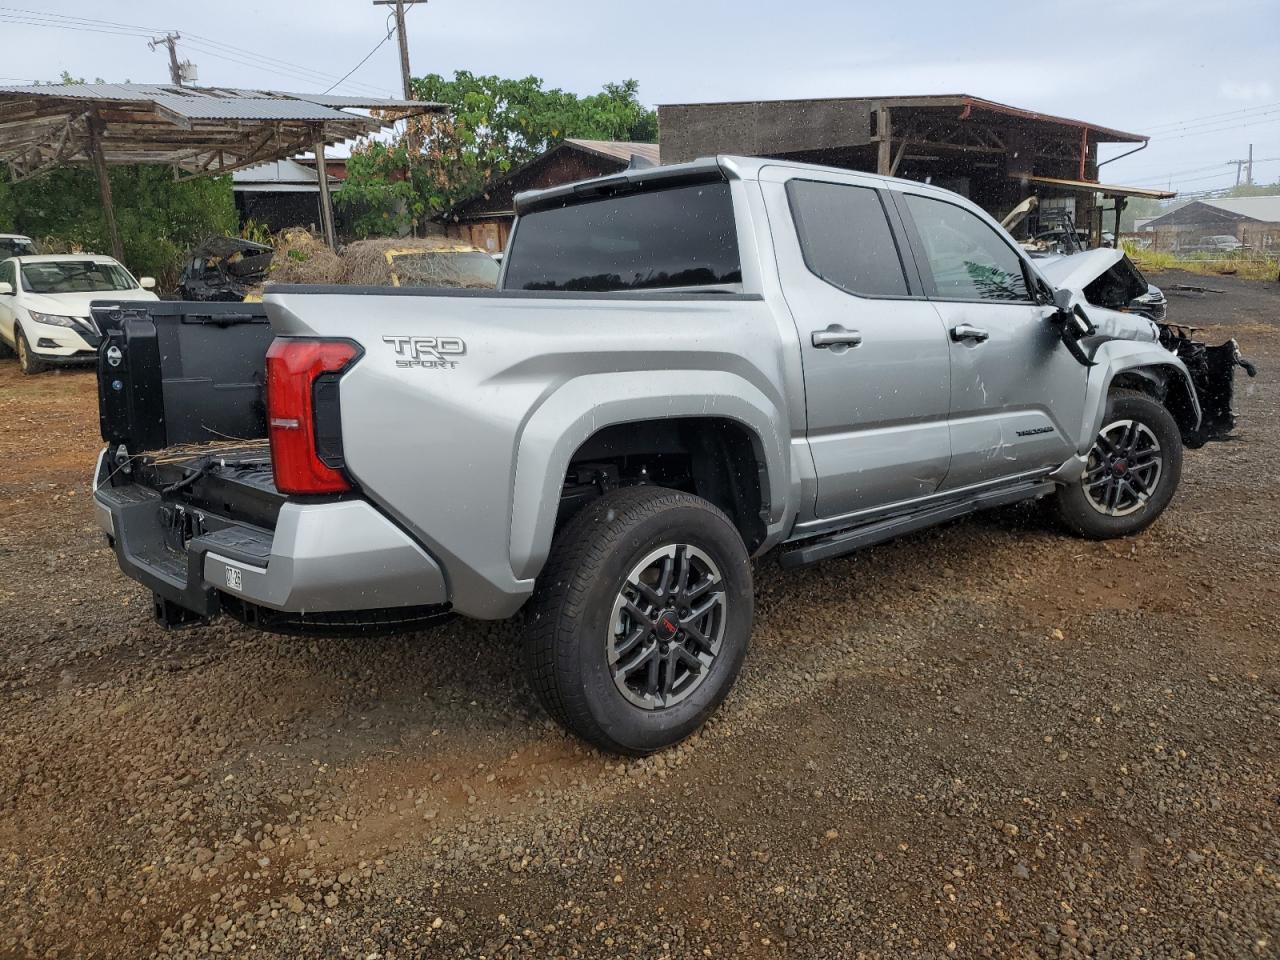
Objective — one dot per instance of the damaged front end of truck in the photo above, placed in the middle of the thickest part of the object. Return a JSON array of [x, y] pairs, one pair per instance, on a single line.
[[1133, 309]]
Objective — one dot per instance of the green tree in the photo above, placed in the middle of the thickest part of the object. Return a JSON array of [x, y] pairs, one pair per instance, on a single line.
[[159, 219], [493, 125], [1254, 190]]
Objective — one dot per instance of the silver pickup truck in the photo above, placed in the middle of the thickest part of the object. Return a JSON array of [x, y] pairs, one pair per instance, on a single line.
[[683, 368]]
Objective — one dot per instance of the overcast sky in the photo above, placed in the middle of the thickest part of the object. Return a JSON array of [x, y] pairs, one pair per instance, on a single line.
[[1202, 78]]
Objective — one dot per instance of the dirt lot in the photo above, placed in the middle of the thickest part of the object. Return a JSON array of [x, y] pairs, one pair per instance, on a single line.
[[987, 740]]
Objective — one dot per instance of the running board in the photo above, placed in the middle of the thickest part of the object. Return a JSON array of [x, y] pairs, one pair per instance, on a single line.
[[868, 534]]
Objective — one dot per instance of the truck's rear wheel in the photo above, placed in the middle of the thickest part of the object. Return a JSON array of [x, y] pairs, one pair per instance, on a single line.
[[1132, 471], [641, 620]]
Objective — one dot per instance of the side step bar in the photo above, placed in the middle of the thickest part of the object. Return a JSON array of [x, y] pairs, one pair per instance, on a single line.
[[855, 538]]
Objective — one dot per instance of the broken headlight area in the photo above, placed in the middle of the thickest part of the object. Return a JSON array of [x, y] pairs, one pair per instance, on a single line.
[[1212, 372]]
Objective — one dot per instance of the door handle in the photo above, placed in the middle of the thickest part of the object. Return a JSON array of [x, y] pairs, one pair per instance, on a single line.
[[967, 331], [835, 336]]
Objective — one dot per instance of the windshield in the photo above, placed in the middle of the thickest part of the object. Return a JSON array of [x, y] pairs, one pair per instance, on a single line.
[[75, 276], [16, 247], [445, 268], [678, 237]]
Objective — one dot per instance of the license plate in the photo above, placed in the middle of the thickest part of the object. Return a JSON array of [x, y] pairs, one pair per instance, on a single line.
[[235, 579]]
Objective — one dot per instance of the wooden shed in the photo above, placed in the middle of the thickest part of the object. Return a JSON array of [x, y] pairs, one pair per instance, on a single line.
[[1254, 221], [995, 154], [484, 220]]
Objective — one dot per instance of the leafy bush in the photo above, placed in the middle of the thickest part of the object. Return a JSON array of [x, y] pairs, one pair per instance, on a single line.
[[159, 219]]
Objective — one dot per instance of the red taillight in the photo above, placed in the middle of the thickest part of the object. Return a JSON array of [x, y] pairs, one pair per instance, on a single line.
[[293, 366]]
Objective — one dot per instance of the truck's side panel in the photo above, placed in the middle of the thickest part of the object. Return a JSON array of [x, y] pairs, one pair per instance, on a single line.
[[438, 447]]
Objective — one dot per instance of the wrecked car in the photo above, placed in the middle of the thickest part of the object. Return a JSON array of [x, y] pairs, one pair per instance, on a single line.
[[1108, 278], [682, 368], [224, 269]]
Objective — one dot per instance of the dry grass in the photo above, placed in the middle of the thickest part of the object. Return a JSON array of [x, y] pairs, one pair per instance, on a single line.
[[231, 447], [303, 257], [366, 263]]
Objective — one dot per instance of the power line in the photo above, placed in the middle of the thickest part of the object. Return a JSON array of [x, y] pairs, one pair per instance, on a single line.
[[1211, 116], [376, 47], [33, 22], [278, 71], [1156, 182], [1220, 129], [200, 44]]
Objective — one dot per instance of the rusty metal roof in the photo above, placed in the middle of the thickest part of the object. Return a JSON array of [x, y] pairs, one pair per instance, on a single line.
[[1106, 189], [200, 130], [968, 104]]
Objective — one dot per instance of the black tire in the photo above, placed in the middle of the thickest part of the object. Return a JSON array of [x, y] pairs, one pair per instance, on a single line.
[[28, 362], [1143, 492], [573, 625]]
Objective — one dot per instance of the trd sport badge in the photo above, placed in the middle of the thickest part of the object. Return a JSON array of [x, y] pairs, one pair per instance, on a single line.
[[429, 353]]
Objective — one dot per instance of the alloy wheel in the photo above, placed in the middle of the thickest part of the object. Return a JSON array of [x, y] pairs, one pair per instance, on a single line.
[[667, 626], [1123, 469]]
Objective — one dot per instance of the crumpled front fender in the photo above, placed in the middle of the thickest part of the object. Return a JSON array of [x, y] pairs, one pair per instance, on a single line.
[[1149, 361]]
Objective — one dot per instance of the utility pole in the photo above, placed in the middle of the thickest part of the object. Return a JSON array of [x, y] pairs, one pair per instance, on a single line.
[[170, 40], [1245, 165], [405, 76], [406, 79]]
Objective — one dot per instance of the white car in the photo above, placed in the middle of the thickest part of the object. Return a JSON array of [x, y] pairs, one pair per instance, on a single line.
[[44, 305], [16, 245]]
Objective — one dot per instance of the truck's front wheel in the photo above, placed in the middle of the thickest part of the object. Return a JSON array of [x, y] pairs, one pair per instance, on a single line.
[[1132, 471], [641, 620]]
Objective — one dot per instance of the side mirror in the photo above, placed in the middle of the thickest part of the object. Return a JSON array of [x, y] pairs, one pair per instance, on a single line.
[[6, 288], [1062, 300], [147, 283]]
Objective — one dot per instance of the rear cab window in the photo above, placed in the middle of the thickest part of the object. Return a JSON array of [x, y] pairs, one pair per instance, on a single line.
[[846, 239], [674, 238]]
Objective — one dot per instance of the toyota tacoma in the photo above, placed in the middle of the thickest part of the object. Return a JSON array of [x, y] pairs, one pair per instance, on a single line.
[[683, 368]]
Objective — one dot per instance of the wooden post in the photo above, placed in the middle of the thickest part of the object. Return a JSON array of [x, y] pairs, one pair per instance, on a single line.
[[405, 76], [99, 161], [326, 201], [884, 134]]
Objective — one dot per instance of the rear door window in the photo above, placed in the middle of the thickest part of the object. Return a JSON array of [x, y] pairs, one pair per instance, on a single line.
[[846, 239], [674, 238], [968, 259]]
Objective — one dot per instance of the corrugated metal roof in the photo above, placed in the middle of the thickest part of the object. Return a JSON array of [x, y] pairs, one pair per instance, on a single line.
[[220, 103], [1266, 209], [279, 171], [622, 150], [200, 130], [1106, 189]]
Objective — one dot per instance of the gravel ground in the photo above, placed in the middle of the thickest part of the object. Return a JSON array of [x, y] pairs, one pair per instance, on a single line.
[[986, 740]]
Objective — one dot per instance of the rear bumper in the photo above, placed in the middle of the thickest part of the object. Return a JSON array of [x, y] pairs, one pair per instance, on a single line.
[[341, 556]]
